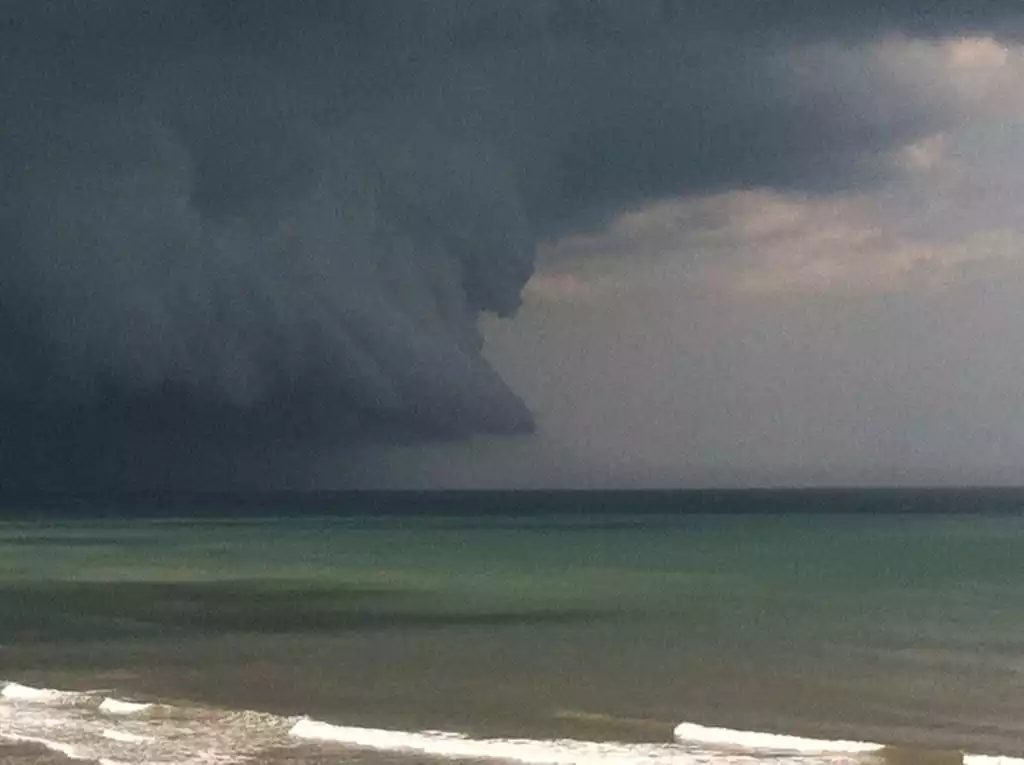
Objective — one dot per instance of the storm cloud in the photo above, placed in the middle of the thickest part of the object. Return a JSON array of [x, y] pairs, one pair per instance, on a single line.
[[233, 232]]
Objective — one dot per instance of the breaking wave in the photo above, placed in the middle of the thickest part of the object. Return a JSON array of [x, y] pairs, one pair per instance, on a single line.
[[116, 707], [94, 726], [540, 751], [768, 741], [19, 692]]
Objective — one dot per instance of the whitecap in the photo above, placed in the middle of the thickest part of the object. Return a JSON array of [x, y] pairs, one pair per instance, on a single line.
[[126, 738], [19, 692], [116, 707], [531, 751], [699, 734]]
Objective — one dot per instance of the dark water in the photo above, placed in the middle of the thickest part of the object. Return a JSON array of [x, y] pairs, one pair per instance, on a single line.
[[906, 630]]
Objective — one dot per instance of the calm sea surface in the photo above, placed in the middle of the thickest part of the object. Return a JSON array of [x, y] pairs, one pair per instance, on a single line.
[[551, 638]]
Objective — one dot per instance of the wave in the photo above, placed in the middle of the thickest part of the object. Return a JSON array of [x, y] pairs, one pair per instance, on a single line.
[[770, 741], [131, 738], [19, 692], [116, 707], [530, 751], [111, 731]]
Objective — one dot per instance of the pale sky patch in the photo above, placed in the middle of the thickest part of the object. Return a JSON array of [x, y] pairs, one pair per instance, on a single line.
[[977, 53], [930, 153]]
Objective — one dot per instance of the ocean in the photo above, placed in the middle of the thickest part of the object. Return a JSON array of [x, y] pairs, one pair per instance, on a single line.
[[792, 628]]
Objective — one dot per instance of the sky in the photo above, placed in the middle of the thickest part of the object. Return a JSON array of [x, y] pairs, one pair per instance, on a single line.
[[510, 244]]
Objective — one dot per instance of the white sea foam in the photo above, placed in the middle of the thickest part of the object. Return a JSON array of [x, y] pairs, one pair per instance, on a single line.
[[127, 738], [116, 707], [104, 729], [112, 732], [534, 751], [19, 692], [742, 739]]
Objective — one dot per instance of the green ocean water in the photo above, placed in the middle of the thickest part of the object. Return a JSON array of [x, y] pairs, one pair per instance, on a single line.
[[902, 629]]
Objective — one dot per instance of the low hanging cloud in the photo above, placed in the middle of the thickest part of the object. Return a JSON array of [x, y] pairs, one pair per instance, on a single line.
[[231, 232]]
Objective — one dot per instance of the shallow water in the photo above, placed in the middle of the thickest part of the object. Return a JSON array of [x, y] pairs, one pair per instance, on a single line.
[[900, 630]]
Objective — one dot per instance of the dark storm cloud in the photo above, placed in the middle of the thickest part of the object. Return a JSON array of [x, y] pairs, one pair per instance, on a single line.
[[230, 230]]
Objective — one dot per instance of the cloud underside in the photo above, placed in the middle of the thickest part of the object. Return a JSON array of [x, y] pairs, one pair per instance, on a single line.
[[234, 232], [946, 214]]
